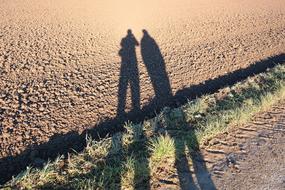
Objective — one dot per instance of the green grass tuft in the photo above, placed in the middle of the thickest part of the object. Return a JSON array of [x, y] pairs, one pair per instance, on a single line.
[[162, 147]]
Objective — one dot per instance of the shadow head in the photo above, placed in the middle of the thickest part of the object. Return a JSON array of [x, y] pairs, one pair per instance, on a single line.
[[145, 32], [129, 31]]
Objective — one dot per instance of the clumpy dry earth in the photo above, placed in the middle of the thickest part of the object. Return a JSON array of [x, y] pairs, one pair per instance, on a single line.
[[60, 63]]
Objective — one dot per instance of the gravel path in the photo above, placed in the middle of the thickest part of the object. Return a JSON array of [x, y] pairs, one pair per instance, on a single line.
[[60, 61]]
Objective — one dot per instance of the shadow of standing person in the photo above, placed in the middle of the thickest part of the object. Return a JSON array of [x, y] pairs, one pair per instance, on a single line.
[[155, 66], [129, 74]]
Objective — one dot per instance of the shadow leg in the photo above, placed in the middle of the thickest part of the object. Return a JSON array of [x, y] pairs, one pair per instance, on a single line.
[[142, 170], [114, 162], [202, 174], [122, 93], [182, 165], [135, 90]]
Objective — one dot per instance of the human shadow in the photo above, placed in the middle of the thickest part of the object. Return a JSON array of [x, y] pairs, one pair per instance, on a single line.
[[129, 76], [155, 64]]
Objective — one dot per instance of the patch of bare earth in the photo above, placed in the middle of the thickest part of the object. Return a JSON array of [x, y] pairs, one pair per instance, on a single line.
[[255, 153], [251, 156]]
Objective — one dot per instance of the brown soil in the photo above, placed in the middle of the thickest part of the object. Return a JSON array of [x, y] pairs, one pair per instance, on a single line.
[[60, 62]]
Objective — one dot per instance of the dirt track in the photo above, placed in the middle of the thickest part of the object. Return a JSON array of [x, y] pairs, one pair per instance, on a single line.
[[60, 62], [252, 155], [246, 157]]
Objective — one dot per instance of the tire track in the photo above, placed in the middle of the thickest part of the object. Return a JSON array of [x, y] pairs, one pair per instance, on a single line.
[[231, 154]]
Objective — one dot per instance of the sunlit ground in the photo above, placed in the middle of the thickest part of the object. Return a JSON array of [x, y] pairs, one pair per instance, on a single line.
[[131, 14]]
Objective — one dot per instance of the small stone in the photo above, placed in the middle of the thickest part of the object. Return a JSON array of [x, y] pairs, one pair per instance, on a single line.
[[41, 109]]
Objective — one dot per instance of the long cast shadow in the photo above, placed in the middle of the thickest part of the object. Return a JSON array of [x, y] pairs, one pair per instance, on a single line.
[[155, 65], [129, 76], [63, 144]]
